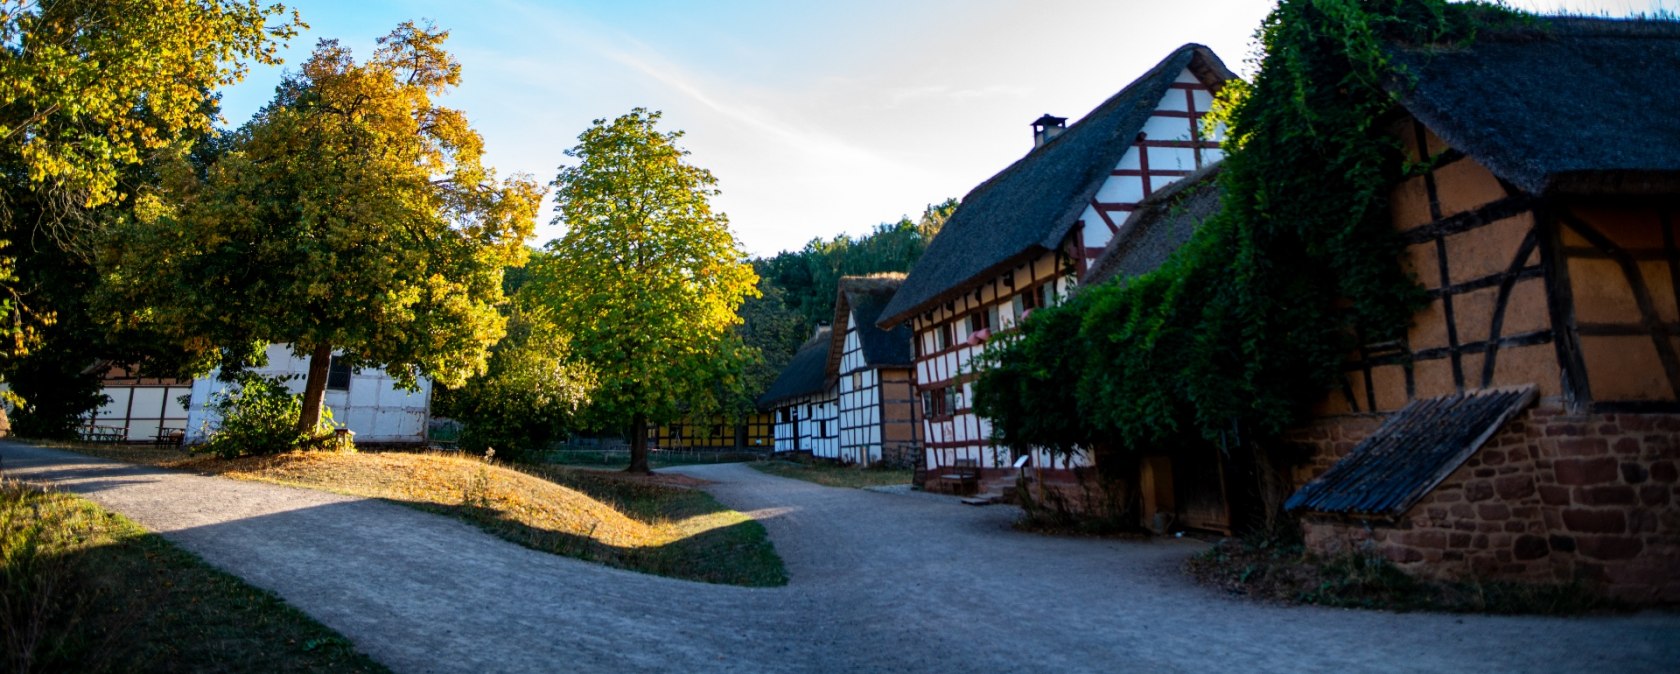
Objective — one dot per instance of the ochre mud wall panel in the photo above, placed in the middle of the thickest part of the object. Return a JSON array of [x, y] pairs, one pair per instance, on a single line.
[[1474, 244], [1623, 267]]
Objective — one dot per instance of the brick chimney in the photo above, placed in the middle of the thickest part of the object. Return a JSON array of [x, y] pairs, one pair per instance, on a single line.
[[1047, 127]]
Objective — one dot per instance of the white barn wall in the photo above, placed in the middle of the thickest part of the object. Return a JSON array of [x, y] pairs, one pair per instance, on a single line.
[[374, 408]]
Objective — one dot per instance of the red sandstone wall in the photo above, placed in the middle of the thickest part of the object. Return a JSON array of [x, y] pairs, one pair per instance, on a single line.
[[1552, 497]]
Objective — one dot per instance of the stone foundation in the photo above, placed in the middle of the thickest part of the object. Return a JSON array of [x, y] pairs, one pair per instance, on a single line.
[[1551, 497]]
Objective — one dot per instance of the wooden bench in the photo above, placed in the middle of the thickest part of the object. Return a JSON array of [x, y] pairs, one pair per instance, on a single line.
[[103, 433], [170, 436], [964, 474]]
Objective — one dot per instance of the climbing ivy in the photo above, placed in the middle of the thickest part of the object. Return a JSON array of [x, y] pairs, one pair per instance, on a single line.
[[1248, 324]]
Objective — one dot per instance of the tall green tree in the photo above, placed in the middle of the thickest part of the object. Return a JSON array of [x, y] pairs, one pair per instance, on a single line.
[[353, 213], [647, 278], [533, 390], [90, 87]]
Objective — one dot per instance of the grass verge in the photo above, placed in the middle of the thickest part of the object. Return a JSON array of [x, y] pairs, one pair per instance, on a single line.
[[832, 475], [659, 524], [83, 589], [1283, 571]]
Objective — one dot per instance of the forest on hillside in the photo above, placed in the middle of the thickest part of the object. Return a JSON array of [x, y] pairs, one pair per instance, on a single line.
[[798, 287]]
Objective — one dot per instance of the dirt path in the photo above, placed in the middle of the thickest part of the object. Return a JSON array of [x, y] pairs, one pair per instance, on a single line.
[[879, 582]]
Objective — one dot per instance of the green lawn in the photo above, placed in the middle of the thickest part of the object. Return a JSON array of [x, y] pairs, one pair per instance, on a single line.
[[832, 475], [84, 589]]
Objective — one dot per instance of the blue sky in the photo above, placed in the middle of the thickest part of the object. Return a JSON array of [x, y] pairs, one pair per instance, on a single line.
[[817, 117]]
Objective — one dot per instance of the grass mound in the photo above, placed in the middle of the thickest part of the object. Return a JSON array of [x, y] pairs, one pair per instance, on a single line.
[[833, 475], [1282, 570], [83, 589], [658, 524]]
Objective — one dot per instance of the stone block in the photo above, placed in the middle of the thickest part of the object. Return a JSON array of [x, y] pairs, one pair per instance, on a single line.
[[1484, 472], [1428, 538], [1610, 547], [1654, 495], [1514, 487], [1463, 511], [1551, 494], [1609, 429], [1626, 447], [1586, 471], [1493, 458], [1642, 521], [1562, 543], [1516, 527], [1458, 539], [1583, 447], [1480, 542], [1661, 447], [1595, 521], [1634, 472], [1400, 555], [1478, 490], [1610, 495], [1636, 423], [1665, 472], [1493, 511], [1564, 430]]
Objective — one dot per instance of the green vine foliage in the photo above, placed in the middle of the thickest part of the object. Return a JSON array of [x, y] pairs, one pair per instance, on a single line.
[[1248, 324]]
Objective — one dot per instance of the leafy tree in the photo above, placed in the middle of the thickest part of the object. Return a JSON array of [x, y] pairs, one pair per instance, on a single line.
[[352, 213], [90, 87], [647, 278], [775, 330], [532, 391]]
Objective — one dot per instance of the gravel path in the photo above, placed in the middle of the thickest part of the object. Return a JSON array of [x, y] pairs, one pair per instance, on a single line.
[[880, 582]]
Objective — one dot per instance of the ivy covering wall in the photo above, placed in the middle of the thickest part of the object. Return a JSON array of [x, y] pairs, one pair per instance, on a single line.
[[1244, 328]]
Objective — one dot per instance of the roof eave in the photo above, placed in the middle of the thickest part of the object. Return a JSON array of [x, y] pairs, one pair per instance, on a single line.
[[959, 289]]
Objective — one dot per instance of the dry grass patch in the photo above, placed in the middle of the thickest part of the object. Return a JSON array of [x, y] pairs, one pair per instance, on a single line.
[[83, 589], [658, 524]]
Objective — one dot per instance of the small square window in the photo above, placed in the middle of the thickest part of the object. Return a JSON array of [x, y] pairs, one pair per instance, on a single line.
[[338, 375]]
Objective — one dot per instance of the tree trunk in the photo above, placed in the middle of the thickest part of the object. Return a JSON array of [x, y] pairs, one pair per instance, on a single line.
[[638, 445], [315, 389]]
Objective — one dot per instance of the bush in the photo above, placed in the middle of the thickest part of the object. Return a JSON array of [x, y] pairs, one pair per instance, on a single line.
[[259, 417]]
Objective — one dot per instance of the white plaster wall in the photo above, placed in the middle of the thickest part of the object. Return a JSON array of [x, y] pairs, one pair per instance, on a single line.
[[374, 408]]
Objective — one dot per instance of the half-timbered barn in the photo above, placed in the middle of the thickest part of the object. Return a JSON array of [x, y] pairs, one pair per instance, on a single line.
[[1023, 238], [366, 401], [1528, 426], [870, 368], [138, 408], [716, 432], [803, 406]]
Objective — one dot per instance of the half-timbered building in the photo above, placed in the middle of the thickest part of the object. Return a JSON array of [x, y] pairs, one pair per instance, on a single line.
[[870, 371], [716, 432], [1023, 238], [1528, 425], [138, 408], [804, 408]]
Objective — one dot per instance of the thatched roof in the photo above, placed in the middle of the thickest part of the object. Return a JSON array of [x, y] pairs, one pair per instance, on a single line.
[[804, 375], [1161, 224], [865, 297], [1568, 104], [1031, 206], [1413, 451]]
